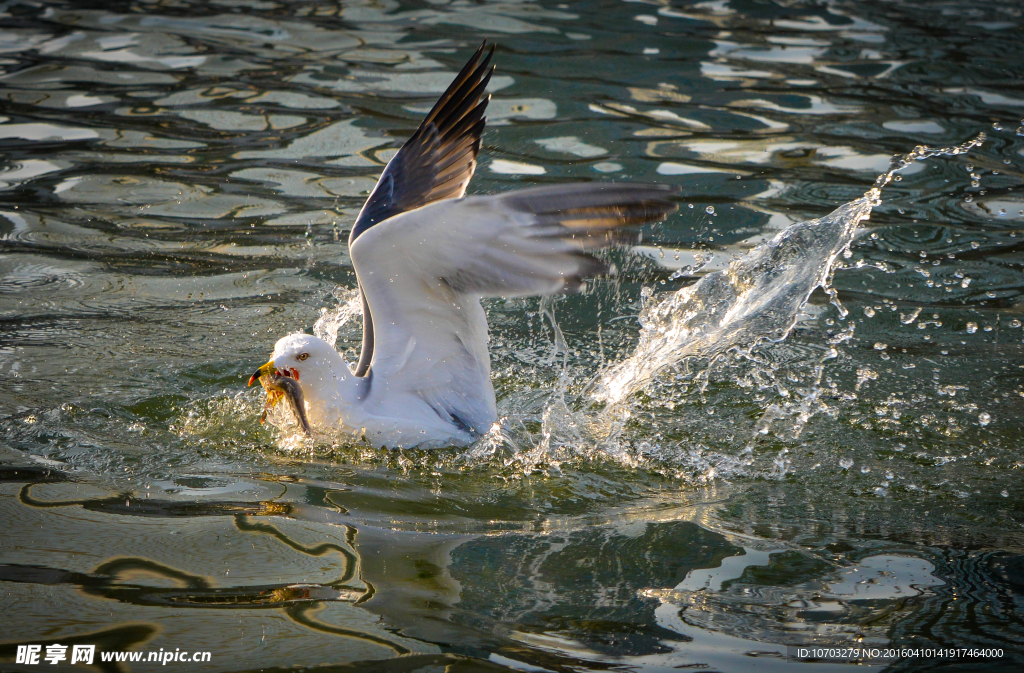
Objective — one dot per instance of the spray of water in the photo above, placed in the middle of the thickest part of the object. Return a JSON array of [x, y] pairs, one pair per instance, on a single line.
[[349, 306], [757, 298]]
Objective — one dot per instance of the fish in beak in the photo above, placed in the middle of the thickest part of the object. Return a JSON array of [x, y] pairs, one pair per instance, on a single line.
[[281, 385]]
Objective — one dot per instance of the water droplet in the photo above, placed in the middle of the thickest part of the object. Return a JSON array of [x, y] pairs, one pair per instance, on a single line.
[[968, 199], [897, 178], [972, 327], [1004, 493], [865, 469], [909, 318], [846, 463], [690, 205], [1015, 323], [975, 245], [710, 210], [984, 418], [869, 312]]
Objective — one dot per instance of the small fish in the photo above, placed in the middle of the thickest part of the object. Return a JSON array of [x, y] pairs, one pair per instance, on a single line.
[[280, 385]]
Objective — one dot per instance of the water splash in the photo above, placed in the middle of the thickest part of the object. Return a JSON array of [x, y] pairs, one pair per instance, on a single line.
[[757, 298], [350, 306]]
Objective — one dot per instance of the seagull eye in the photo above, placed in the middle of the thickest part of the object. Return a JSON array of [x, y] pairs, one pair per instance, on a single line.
[[302, 356]]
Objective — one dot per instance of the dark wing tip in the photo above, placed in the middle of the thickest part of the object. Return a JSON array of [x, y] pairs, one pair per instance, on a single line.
[[591, 216], [596, 204], [589, 267], [437, 162]]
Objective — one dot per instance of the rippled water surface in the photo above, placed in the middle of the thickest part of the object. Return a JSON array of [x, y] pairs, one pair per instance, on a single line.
[[176, 188]]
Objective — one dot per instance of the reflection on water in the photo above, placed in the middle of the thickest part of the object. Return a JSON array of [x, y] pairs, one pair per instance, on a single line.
[[176, 187]]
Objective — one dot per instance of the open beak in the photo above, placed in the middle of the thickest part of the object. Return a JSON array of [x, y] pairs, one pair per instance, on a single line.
[[274, 395], [262, 371], [279, 385]]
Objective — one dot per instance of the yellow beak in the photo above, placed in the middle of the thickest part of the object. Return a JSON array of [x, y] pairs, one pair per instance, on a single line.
[[261, 372], [273, 396]]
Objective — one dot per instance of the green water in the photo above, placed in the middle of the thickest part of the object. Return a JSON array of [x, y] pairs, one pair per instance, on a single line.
[[176, 187]]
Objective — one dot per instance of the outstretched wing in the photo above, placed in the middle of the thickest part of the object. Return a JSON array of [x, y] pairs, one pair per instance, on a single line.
[[435, 163], [423, 275]]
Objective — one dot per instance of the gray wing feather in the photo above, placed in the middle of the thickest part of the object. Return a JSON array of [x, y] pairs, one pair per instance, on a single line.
[[436, 163], [424, 273]]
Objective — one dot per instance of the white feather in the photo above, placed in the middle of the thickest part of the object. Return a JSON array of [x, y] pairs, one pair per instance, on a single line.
[[423, 273]]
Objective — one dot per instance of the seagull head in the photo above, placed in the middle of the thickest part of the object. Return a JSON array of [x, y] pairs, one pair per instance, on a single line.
[[299, 369], [298, 356]]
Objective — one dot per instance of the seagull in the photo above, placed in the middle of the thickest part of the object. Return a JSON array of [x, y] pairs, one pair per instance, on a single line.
[[424, 256]]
